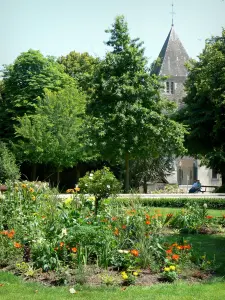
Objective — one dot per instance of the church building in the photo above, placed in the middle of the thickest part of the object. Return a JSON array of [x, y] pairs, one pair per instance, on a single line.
[[171, 63]]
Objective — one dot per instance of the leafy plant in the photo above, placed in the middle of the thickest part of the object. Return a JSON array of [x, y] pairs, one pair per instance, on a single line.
[[101, 183]]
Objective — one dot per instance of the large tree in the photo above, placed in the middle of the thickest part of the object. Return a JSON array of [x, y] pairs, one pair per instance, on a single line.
[[204, 110], [80, 66], [130, 118], [54, 134], [24, 82]]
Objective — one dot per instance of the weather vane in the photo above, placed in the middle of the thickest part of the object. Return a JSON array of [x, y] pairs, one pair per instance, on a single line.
[[172, 13]]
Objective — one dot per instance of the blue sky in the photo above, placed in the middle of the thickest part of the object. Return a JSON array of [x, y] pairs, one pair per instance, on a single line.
[[56, 27]]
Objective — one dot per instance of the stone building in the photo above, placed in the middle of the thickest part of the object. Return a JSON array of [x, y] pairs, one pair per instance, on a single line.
[[171, 63]]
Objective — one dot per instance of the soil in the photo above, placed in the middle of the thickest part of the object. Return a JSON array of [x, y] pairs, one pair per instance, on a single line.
[[94, 276]]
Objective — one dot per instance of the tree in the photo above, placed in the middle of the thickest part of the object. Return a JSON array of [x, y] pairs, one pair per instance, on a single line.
[[130, 119], [53, 135], [8, 167], [204, 110], [80, 66], [24, 83], [150, 169]]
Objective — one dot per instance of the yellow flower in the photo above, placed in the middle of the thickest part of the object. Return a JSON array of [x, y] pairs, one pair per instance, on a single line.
[[24, 185], [166, 269], [203, 257], [135, 273], [31, 190], [172, 268], [125, 276], [68, 201], [33, 198]]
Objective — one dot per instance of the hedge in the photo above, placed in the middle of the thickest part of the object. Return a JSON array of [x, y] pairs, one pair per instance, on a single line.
[[217, 203]]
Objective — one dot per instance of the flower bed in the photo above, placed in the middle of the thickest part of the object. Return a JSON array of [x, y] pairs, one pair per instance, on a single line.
[[60, 239]]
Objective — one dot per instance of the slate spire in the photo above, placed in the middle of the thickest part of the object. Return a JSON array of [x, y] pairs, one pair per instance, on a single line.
[[172, 57]]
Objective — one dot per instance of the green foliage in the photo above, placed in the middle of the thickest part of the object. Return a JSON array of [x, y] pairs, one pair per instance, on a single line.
[[129, 117], [204, 106], [8, 167], [101, 183], [216, 203], [24, 83], [170, 274], [80, 66], [54, 134]]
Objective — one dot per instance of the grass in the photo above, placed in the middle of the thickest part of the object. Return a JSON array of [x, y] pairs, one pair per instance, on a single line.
[[211, 245], [167, 210], [13, 287]]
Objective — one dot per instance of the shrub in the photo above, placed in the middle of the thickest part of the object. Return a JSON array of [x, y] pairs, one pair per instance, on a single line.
[[8, 167], [101, 183]]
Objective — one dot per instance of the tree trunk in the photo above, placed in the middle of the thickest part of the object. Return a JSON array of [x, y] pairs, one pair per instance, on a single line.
[[145, 187], [223, 178], [127, 173], [58, 177], [96, 206], [34, 172]]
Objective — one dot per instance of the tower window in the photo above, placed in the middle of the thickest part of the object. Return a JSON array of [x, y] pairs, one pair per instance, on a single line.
[[167, 87], [172, 87]]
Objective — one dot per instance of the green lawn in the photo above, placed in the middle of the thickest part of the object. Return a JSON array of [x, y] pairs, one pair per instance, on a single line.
[[14, 288], [167, 210]]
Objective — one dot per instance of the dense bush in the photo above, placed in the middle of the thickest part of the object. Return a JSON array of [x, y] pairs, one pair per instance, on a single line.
[[8, 167]]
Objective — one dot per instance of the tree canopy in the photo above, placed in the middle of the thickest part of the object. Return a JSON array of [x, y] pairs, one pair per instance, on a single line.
[[53, 135], [130, 118], [80, 66], [204, 110], [24, 82]]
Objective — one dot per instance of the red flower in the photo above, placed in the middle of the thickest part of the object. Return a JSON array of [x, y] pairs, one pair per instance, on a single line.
[[74, 249], [209, 217], [124, 226], [169, 251]]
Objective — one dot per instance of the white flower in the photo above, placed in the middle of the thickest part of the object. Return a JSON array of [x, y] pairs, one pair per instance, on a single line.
[[205, 205], [91, 175], [64, 232], [2, 196], [72, 291], [123, 251], [108, 186]]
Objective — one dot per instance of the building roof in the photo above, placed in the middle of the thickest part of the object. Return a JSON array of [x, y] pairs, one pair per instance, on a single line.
[[172, 57]]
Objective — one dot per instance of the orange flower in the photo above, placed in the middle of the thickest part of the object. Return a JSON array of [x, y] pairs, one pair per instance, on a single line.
[[69, 191], [56, 248], [77, 189], [116, 232], [209, 217], [11, 234], [169, 215], [147, 222], [147, 217], [114, 218], [169, 251], [61, 244], [188, 247], [175, 257], [17, 245], [134, 252], [124, 226], [74, 249], [4, 232]]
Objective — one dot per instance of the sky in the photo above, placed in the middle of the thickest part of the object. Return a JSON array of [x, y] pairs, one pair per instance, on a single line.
[[56, 27]]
